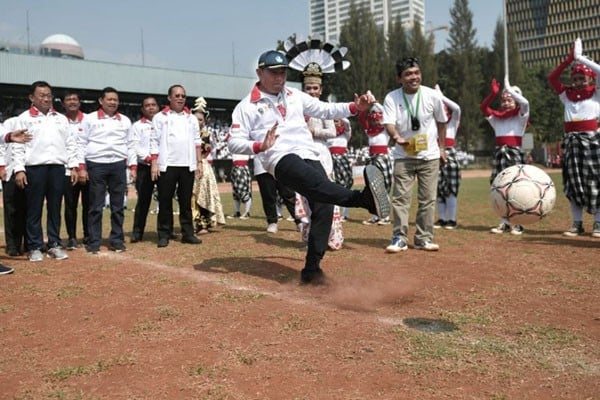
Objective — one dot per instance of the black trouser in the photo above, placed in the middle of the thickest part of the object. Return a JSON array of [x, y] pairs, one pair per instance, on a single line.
[[144, 185], [182, 180], [308, 178], [103, 177], [269, 187], [72, 193], [14, 215], [44, 182]]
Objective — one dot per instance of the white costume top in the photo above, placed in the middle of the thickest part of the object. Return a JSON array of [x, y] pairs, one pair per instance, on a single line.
[[323, 129], [513, 126]]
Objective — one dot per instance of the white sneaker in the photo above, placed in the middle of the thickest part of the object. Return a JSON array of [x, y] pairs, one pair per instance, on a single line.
[[36, 256], [516, 229], [427, 246], [385, 221], [245, 216], [372, 221], [501, 228], [397, 245], [57, 253], [272, 228]]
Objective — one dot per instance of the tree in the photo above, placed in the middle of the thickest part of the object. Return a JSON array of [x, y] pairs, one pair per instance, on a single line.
[[422, 48], [466, 73], [494, 67], [368, 57], [397, 49]]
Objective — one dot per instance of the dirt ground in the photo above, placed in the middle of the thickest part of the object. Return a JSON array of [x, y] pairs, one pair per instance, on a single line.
[[486, 317]]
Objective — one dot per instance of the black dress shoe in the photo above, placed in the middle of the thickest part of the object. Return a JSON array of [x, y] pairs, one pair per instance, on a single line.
[[191, 240], [162, 243], [13, 252], [313, 277], [135, 239]]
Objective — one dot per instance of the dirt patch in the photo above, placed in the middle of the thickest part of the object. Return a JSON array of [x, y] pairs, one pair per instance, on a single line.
[[487, 317]]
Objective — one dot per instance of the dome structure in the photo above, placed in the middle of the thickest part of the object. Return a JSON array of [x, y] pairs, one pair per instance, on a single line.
[[61, 45]]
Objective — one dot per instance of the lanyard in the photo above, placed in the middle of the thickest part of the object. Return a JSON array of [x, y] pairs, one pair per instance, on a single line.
[[407, 105]]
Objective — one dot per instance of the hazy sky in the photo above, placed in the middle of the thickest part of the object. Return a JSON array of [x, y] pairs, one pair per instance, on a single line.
[[222, 36]]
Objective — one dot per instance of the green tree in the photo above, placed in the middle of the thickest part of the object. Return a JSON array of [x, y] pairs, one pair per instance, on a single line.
[[466, 72], [494, 67], [397, 49], [369, 69], [421, 47]]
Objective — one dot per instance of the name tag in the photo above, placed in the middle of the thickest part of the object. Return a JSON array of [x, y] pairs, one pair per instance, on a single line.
[[416, 144]]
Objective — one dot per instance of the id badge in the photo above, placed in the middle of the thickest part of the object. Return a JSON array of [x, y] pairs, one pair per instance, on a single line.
[[420, 142], [416, 144]]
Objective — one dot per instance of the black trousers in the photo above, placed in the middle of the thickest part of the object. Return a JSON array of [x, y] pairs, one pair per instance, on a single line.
[[308, 178], [71, 198], [179, 179], [44, 182], [14, 215], [144, 185], [103, 177], [269, 188]]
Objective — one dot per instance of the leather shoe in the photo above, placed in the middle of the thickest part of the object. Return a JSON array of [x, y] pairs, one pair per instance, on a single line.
[[135, 239], [162, 243], [191, 240]]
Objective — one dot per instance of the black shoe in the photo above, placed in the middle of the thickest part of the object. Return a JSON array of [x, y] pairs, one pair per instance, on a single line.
[[4, 270], [135, 239], [450, 225], [85, 240], [13, 253], [312, 276], [375, 194], [162, 243], [117, 247], [191, 240], [92, 249], [440, 223], [72, 244]]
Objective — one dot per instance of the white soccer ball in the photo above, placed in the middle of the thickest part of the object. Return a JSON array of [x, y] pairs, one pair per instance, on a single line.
[[523, 194]]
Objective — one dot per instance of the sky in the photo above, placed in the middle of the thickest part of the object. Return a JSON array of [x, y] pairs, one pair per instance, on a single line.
[[220, 37]]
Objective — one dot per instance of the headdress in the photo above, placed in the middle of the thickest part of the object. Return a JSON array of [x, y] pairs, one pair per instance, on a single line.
[[200, 106], [582, 69], [506, 93], [314, 58]]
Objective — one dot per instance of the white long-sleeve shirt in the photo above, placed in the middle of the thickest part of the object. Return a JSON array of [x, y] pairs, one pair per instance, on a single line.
[[52, 141], [141, 131], [105, 139], [258, 112], [175, 139]]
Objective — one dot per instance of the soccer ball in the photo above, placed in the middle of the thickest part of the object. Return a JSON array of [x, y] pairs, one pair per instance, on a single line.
[[523, 194]]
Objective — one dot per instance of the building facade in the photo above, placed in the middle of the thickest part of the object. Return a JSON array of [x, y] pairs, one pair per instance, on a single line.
[[546, 29], [327, 17]]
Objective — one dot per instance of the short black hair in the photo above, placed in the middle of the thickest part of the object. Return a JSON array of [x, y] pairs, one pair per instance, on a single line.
[[70, 92], [173, 87], [405, 64], [108, 89], [38, 84]]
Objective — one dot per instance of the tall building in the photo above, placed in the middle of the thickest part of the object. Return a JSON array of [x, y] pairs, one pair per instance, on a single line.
[[327, 17], [546, 29]]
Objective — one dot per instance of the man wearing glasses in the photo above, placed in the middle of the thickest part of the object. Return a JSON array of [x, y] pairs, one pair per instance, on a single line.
[[415, 118], [177, 155]]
